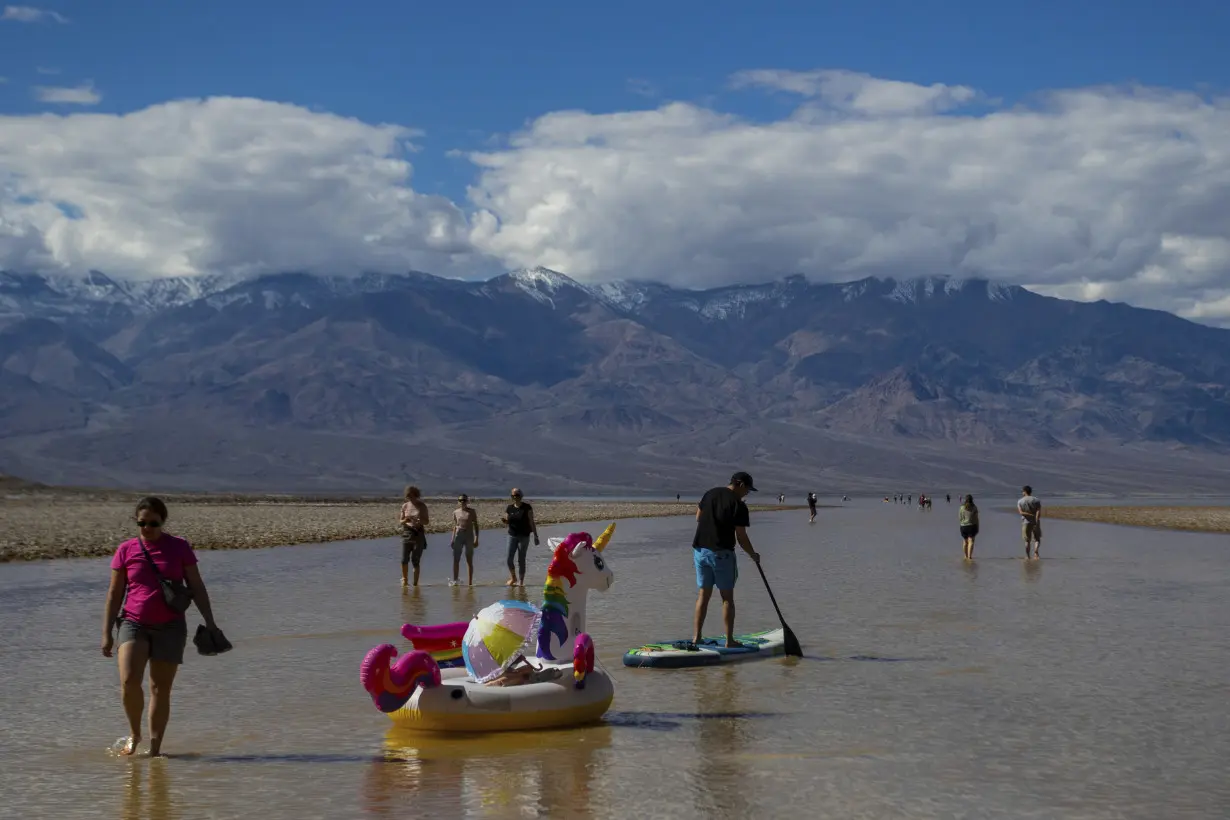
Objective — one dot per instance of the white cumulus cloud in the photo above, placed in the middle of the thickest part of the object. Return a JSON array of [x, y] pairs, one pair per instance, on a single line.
[[83, 94], [1120, 193], [223, 184], [31, 14], [851, 92], [1116, 192]]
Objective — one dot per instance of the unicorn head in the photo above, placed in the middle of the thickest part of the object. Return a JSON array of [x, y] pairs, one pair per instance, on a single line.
[[577, 566]]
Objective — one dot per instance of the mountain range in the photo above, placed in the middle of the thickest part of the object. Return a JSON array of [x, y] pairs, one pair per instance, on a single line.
[[297, 382]]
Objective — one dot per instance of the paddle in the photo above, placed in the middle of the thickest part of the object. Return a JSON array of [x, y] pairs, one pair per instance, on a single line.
[[792, 643]]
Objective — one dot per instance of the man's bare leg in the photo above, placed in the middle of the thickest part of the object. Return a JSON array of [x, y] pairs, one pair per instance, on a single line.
[[702, 607], [728, 616]]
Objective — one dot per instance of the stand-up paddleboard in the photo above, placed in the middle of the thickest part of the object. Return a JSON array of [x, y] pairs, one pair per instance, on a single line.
[[679, 654]]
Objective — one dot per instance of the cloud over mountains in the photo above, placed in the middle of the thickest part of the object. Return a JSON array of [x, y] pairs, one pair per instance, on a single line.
[[1118, 193]]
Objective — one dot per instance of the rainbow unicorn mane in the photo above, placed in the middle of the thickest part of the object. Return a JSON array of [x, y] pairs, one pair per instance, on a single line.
[[554, 598]]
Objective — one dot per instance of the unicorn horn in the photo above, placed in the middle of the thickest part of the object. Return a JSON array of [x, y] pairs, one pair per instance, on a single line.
[[601, 541]]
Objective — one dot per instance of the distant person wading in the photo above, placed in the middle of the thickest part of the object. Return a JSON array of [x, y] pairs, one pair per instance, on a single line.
[[519, 516], [465, 537], [414, 521], [967, 520], [150, 630], [1030, 509]]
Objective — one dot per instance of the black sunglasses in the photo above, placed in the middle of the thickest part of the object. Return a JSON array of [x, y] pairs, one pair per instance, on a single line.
[[153, 525]]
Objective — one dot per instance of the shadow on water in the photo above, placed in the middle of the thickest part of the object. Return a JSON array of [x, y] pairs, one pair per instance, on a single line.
[[298, 757], [865, 659], [666, 721]]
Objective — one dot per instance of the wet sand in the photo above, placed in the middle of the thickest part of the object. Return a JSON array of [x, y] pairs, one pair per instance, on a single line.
[[84, 523], [1193, 519]]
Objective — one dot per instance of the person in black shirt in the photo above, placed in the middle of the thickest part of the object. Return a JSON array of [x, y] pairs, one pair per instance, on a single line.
[[519, 516], [811, 504], [721, 522]]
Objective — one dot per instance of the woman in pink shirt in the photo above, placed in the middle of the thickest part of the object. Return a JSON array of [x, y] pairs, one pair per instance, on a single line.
[[150, 630]]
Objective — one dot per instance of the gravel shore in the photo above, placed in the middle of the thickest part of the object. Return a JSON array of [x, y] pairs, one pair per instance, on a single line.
[[1194, 519], [75, 524]]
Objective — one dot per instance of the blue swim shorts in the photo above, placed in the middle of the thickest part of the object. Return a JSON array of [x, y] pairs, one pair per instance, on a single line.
[[715, 568]]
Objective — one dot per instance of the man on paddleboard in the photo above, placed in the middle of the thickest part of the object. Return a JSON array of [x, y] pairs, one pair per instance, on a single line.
[[721, 521]]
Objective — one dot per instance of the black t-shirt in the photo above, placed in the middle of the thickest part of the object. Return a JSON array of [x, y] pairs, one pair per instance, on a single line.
[[720, 512], [811, 500], [519, 519]]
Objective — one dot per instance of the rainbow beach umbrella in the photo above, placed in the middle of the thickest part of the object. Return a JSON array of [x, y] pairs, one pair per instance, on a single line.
[[497, 636]]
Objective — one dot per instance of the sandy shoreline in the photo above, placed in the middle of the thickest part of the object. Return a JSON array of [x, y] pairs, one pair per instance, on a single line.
[[46, 525], [1191, 519]]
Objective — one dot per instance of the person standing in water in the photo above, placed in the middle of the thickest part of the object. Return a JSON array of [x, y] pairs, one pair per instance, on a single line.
[[967, 520], [1030, 509], [465, 537], [150, 631], [519, 516], [811, 505], [722, 520], [414, 521]]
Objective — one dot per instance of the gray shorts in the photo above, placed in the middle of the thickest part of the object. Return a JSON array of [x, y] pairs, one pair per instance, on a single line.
[[165, 642], [465, 542]]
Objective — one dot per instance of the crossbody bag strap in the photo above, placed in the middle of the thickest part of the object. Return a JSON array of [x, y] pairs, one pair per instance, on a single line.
[[150, 558]]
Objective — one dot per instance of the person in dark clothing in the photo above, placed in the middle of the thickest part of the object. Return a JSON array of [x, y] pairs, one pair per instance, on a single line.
[[811, 505], [721, 521], [519, 516]]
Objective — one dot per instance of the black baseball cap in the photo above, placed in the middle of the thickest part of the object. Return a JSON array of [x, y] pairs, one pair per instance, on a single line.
[[745, 479]]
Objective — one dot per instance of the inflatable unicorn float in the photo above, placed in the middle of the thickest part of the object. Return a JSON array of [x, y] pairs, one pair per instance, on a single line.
[[431, 688]]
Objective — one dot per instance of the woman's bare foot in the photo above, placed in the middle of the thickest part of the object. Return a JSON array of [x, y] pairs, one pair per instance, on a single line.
[[512, 582], [731, 643], [129, 746]]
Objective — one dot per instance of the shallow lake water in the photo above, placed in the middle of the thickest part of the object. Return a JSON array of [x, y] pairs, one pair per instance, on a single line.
[[1094, 683]]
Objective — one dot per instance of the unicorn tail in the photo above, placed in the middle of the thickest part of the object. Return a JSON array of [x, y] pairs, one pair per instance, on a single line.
[[582, 659], [441, 641], [392, 684]]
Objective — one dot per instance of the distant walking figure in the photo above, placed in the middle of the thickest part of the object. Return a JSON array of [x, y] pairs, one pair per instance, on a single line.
[[967, 519], [519, 516], [1030, 509], [465, 537], [811, 505], [414, 521]]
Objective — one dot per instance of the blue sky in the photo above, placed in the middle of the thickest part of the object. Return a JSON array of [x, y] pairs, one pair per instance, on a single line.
[[467, 72]]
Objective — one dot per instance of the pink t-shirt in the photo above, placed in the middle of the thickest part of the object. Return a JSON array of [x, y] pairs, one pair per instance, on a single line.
[[145, 603]]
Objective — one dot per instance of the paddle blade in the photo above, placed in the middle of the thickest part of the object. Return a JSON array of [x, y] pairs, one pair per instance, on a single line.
[[792, 643]]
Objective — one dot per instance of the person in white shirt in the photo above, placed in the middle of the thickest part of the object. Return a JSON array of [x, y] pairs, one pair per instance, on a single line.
[[1030, 509]]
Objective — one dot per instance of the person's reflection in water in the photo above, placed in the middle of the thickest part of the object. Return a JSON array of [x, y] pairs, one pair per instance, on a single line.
[[971, 569], [413, 607], [1033, 570], [719, 783], [148, 796]]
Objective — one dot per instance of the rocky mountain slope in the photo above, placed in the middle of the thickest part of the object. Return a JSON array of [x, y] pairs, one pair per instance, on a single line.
[[304, 382]]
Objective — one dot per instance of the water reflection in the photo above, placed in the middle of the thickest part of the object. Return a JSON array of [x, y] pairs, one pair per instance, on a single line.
[[413, 607], [540, 773], [1033, 569], [718, 781], [147, 795], [971, 569]]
